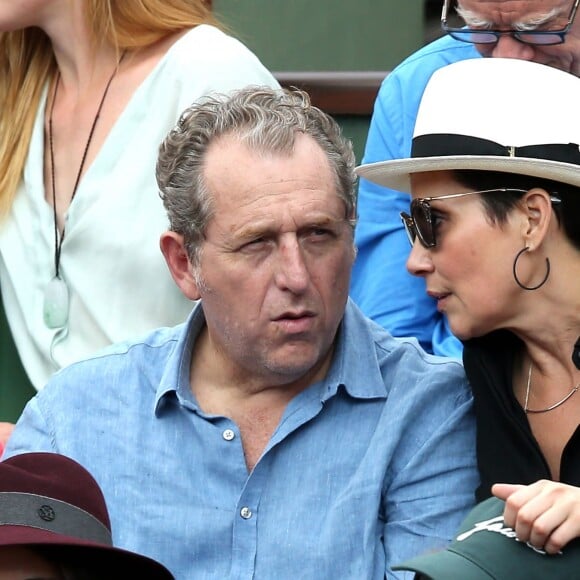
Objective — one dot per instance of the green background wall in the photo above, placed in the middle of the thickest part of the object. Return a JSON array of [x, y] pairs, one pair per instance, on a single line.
[[15, 389], [324, 35]]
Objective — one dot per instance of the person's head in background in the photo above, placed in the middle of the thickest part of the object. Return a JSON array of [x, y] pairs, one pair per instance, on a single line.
[[543, 31], [54, 525]]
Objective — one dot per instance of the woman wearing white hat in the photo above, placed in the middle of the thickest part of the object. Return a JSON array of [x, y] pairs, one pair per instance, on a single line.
[[495, 228]]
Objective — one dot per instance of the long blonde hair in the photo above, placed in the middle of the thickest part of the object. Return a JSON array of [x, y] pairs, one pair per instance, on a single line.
[[27, 62]]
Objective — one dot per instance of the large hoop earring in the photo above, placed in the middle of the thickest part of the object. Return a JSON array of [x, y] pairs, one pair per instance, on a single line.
[[523, 286]]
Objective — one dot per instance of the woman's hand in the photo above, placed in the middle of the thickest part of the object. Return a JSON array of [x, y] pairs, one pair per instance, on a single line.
[[5, 431], [545, 513]]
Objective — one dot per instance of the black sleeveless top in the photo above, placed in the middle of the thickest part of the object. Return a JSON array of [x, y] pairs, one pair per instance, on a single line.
[[507, 451]]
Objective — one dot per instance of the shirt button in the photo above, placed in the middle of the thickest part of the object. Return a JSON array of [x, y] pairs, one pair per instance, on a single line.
[[246, 513], [228, 434]]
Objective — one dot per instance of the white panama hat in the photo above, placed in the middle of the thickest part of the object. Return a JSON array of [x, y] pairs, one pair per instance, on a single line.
[[492, 114]]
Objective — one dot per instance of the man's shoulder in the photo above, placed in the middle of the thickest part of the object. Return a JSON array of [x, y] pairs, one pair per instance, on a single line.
[[425, 61], [137, 358], [402, 89], [408, 349], [444, 50], [416, 385], [403, 356], [84, 404], [157, 340], [403, 360]]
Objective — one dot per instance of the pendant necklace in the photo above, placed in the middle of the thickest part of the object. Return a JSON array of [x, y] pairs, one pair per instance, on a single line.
[[551, 407], [56, 293]]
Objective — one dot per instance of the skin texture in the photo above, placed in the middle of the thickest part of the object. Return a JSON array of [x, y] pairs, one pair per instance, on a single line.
[[470, 273], [18, 563], [508, 14], [18, 15]]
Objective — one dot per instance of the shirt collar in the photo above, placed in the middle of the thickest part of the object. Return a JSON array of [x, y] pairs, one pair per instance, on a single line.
[[354, 350], [175, 378]]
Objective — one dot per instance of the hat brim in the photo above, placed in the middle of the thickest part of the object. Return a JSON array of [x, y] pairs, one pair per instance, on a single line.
[[395, 174], [444, 565], [92, 555]]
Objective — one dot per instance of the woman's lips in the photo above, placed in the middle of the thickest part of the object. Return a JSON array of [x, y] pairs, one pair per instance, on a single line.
[[440, 297]]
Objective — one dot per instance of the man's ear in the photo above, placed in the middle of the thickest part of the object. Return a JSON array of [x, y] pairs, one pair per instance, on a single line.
[[173, 250]]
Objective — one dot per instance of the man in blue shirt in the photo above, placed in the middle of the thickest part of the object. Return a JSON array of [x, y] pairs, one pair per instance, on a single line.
[[278, 433], [380, 284]]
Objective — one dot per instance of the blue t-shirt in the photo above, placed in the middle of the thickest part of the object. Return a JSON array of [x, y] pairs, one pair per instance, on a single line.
[[381, 285], [368, 467]]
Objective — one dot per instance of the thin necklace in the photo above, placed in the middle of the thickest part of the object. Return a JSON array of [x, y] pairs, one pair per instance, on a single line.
[[56, 293], [551, 407]]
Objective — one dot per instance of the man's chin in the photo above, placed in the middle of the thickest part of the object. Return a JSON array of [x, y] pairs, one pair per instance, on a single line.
[[296, 362], [291, 371]]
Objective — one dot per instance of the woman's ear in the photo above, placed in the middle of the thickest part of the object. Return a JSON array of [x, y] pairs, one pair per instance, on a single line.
[[173, 249], [537, 207]]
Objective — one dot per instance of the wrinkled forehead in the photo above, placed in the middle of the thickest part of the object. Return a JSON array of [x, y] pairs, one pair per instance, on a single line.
[[498, 13]]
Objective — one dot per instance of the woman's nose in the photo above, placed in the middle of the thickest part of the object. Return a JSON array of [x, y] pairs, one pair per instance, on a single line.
[[419, 262]]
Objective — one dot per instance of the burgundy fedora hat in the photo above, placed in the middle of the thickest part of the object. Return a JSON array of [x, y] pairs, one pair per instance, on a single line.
[[48, 500]]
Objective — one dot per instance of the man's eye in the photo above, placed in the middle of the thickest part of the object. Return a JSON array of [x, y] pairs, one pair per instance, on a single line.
[[255, 245], [320, 233]]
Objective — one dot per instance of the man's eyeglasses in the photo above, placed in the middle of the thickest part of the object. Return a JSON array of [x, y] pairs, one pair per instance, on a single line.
[[485, 36], [420, 223]]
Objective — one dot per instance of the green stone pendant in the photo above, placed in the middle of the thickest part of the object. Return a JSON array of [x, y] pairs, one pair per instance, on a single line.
[[56, 302]]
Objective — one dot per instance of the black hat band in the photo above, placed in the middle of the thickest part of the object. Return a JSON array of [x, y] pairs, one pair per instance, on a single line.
[[449, 144], [51, 515]]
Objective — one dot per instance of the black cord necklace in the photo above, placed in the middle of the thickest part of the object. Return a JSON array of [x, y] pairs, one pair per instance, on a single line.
[[56, 294]]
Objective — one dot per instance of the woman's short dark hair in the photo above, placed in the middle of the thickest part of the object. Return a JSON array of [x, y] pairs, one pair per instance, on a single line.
[[498, 205]]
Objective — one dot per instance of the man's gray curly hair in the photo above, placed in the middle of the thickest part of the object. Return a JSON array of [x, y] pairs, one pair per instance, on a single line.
[[264, 119]]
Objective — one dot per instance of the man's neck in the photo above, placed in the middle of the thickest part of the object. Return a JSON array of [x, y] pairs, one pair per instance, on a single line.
[[253, 403]]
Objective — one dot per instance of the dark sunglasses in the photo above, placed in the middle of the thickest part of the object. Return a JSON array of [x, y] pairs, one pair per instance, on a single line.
[[420, 223], [486, 36]]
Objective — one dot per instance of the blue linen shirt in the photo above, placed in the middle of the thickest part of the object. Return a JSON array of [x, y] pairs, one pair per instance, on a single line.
[[372, 465], [380, 283]]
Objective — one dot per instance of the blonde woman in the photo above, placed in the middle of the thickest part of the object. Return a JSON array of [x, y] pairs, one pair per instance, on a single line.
[[89, 88]]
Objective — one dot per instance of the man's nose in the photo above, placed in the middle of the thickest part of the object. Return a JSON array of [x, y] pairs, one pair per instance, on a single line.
[[508, 47], [419, 262], [292, 271]]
